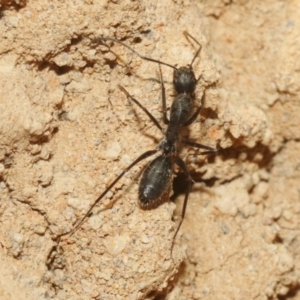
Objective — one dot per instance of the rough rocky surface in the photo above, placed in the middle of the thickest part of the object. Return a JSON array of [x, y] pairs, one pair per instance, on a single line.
[[67, 131]]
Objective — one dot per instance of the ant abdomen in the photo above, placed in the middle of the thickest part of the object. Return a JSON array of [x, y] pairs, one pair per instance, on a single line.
[[155, 181]]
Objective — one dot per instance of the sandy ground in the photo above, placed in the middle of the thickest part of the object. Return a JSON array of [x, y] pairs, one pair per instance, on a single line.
[[67, 131]]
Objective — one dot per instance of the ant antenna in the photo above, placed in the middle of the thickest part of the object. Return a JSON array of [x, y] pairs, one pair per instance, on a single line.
[[187, 35], [140, 158], [126, 46]]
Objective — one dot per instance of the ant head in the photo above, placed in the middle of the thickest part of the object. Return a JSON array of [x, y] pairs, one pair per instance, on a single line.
[[184, 80]]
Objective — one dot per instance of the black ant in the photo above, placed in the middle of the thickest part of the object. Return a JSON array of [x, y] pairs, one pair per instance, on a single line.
[[157, 176]]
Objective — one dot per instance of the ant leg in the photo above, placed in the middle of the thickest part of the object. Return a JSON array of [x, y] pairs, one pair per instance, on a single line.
[[142, 107], [199, 49], [96, 40], [140, 158], [194, 116], [197, 145], [197, 112], [163, 97], [179, 162]]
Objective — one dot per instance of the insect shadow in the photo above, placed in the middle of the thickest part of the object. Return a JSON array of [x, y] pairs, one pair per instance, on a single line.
[[157, 177]]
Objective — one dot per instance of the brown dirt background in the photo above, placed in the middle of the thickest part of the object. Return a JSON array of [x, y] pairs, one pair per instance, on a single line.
[[67, 131]]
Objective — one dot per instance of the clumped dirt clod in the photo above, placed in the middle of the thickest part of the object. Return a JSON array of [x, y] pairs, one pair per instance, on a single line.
[[67, 131]]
